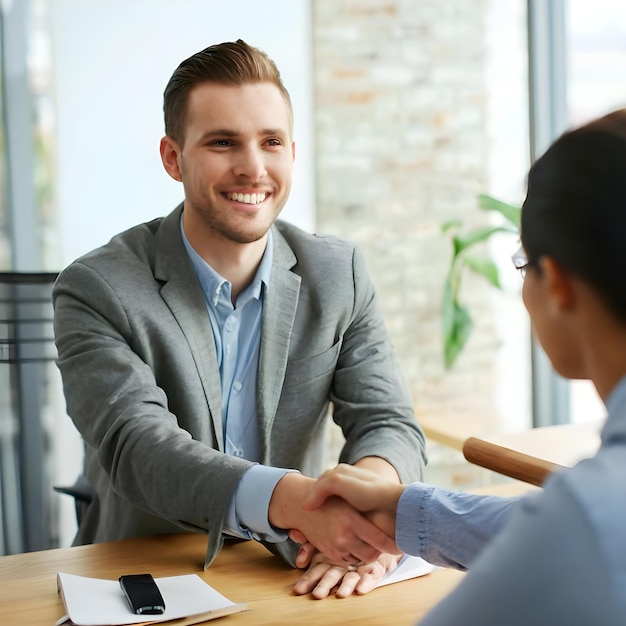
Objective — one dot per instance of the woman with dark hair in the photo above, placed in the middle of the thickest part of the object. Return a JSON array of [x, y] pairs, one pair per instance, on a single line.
[[558, 556]]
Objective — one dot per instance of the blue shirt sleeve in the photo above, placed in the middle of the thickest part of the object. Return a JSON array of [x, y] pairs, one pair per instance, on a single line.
[[247, 513], [446, 527], [545, 568]]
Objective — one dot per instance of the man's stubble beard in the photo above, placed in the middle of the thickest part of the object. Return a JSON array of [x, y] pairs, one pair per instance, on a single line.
[[225, 231]]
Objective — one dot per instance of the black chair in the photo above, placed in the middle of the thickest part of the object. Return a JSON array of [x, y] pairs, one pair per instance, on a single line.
[[82, 492], [27, 354]]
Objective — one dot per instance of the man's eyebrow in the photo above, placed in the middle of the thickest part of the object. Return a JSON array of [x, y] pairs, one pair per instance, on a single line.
[[221, 132], [273, 131], [229, 132]]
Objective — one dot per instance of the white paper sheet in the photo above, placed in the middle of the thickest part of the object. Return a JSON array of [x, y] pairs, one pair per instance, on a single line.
[[94, 602], [408, 567]]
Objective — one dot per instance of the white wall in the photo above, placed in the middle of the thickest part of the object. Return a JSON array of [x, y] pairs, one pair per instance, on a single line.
[[112, 60]]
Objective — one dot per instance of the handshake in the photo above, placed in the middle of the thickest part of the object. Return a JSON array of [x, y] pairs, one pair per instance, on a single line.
[[348, 514]]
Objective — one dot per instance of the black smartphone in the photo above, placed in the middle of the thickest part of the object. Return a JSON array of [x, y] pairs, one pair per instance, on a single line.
[[143, 594]]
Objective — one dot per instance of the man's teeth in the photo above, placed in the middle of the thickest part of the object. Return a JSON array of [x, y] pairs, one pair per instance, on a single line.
[[248, 198]]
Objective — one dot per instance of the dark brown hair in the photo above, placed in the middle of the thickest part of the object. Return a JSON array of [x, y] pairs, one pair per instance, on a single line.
[[228, 63], [575, 208]]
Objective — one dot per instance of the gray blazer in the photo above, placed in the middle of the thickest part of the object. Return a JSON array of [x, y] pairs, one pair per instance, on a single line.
[[142, 385]]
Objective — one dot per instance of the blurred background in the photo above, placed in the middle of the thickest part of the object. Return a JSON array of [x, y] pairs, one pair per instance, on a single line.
[[405, 111]]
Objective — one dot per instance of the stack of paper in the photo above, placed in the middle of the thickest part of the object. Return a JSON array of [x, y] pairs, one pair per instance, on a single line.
[[95, 602]]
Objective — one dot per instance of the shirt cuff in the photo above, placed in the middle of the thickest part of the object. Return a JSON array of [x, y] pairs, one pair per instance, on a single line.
[[412, 519], [247, 513]]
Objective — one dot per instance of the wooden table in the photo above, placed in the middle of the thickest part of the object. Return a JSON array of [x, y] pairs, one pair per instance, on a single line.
[[532, 456], [565, 444], [243, 572]]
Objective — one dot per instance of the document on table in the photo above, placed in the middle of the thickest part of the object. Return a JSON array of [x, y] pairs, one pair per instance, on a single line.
[[188, 599], [408, 567], [95, 602]]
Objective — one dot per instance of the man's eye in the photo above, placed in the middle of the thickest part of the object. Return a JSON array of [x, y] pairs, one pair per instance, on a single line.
[[221, 143], [274, 142]]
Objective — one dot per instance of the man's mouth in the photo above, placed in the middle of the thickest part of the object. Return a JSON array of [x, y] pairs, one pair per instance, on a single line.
[[247, 198]]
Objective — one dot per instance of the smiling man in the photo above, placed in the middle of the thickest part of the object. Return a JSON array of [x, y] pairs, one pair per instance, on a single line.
[[200, 352]]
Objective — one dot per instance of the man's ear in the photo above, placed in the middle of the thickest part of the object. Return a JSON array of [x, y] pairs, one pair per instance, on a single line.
[[170, 156], [558, 284]]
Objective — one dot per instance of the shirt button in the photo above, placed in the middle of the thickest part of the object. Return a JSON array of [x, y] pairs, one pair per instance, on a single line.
[[237, 386]]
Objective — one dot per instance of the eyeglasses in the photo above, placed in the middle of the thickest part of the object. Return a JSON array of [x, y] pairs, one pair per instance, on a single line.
[[520, 261]]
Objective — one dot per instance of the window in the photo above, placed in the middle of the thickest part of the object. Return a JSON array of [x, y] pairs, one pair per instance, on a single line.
[[595, 79]]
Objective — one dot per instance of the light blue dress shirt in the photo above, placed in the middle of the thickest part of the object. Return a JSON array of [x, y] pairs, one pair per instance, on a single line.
[[237, 335], [555, 557]]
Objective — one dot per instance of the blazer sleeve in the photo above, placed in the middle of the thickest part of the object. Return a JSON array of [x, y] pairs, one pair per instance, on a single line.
[[114, 340], [372, 404]]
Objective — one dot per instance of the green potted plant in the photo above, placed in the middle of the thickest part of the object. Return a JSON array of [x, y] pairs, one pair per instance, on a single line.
[[457, 320]]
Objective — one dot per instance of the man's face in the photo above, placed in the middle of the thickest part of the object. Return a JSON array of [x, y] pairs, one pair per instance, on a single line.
[[236, 161]]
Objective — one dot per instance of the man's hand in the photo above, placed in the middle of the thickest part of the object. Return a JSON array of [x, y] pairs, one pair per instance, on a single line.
[[363, 489], [334, 527], [324, 578]]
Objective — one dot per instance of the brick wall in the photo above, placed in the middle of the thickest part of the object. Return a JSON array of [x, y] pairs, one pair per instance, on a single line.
[[400, 114]]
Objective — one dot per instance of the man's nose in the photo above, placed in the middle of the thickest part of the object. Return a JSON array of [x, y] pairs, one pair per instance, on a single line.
[[251, 164]]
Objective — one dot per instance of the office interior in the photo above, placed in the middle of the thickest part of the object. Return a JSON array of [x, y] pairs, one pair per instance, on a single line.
[[405, 111]]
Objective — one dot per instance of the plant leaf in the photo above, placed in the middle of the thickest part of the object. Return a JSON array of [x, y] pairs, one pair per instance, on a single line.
[[457, 324], [485, 268], [511, 213], [462, 242], [447, 307], [445, 227], [460, 330]]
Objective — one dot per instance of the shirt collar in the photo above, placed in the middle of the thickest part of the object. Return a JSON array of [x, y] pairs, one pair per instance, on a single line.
[[615, 403], [213, 285], [617, 396]]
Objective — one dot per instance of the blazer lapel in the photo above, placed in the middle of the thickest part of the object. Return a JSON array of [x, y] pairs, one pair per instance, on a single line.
[[279, 308], [183, 295]]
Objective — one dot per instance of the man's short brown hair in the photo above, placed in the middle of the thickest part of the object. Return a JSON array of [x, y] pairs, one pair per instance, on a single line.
[[229, 63]]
